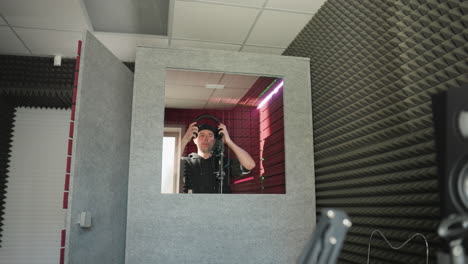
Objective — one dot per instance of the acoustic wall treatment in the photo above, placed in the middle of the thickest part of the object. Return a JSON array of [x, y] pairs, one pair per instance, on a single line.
[[374, 66], [28, 82], [6, 129], [36, 82]]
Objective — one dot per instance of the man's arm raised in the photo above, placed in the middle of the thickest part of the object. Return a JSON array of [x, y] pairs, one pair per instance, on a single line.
[[243, 156], [189, 134]]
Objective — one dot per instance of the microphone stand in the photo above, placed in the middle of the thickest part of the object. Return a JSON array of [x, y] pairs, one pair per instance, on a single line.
[[219, 152], [454, 229]]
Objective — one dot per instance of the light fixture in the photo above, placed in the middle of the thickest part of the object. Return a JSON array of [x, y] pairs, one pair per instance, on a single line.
[[243, 180], [268, 97], [214, 86], [57, 60]]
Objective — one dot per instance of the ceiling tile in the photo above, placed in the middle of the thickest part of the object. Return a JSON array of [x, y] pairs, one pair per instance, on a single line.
[[50, 42], [231, 96], [193, 78], [202, 21], [238, 81], [123, 46], [48, 14], [10, 44], [277, 29], [253, 3], [127, 16], [185, 87], [185, 104], [188, 92], [179, 43], [309, 6], [266, 50], [225, 98], [219, 106]]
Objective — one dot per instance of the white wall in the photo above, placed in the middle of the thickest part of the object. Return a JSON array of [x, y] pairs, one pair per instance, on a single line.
[[167, 174], [33, 215]]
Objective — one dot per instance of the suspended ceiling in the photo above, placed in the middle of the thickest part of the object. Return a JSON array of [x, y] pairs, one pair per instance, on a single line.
[[53, 27]]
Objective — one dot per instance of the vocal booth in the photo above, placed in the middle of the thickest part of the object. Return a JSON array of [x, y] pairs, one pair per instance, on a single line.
[[117, 213]]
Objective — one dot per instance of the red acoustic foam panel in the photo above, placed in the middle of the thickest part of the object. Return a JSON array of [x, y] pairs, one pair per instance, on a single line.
[[65, 200], [274, 170], [274, 181], [62, 256], [281, 189], [73, 112], [70, 146], [75, 81], [67, 182], [71, 130], [79, 47], [77, 63], [273, 159], [62, 239], [68, 165], [272, 145], [74, 95]]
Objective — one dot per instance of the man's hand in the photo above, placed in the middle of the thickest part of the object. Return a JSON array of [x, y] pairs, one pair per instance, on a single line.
[[191, 132], [222, 130]]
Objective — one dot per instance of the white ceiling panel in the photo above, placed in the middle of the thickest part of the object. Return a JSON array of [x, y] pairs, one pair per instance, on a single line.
[[238, 81], [129, 16], [48, 14], [192, 78], [309, 6], [10, 44], [123, 46], [265, 50], [253, 3], [188, 88], [277, 29], [219, 106], [179, 43], [231, 96], [186, 104], [50, 42], [202, 21], [188, 92]]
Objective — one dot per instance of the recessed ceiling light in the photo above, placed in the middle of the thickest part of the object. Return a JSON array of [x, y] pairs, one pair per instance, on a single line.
[[214, 86]]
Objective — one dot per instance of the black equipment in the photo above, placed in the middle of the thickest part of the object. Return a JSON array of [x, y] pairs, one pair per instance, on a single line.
[[218, 152], [450, 122], [454, 229], [450, 110], [327, 240]]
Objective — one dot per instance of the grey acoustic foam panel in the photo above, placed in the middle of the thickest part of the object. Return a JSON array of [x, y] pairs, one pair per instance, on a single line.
[[374, 66]]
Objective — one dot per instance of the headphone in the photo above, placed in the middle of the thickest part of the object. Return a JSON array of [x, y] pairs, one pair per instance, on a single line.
[[218, 136]]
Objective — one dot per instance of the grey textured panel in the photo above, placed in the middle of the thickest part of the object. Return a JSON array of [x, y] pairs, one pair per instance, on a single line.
[[99, 178], [374, 67], [213, 228]]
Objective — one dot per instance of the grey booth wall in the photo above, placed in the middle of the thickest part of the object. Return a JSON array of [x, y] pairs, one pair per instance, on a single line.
[[214, 228], [99, 175]]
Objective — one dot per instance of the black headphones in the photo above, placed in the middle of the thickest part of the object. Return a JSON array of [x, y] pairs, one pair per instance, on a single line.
[[217, 136]]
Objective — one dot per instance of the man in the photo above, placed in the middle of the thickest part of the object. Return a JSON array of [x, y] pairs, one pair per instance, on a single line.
[[200, 168]]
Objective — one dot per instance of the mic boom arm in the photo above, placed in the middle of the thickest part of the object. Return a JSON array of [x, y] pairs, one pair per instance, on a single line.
[[327, 239]]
